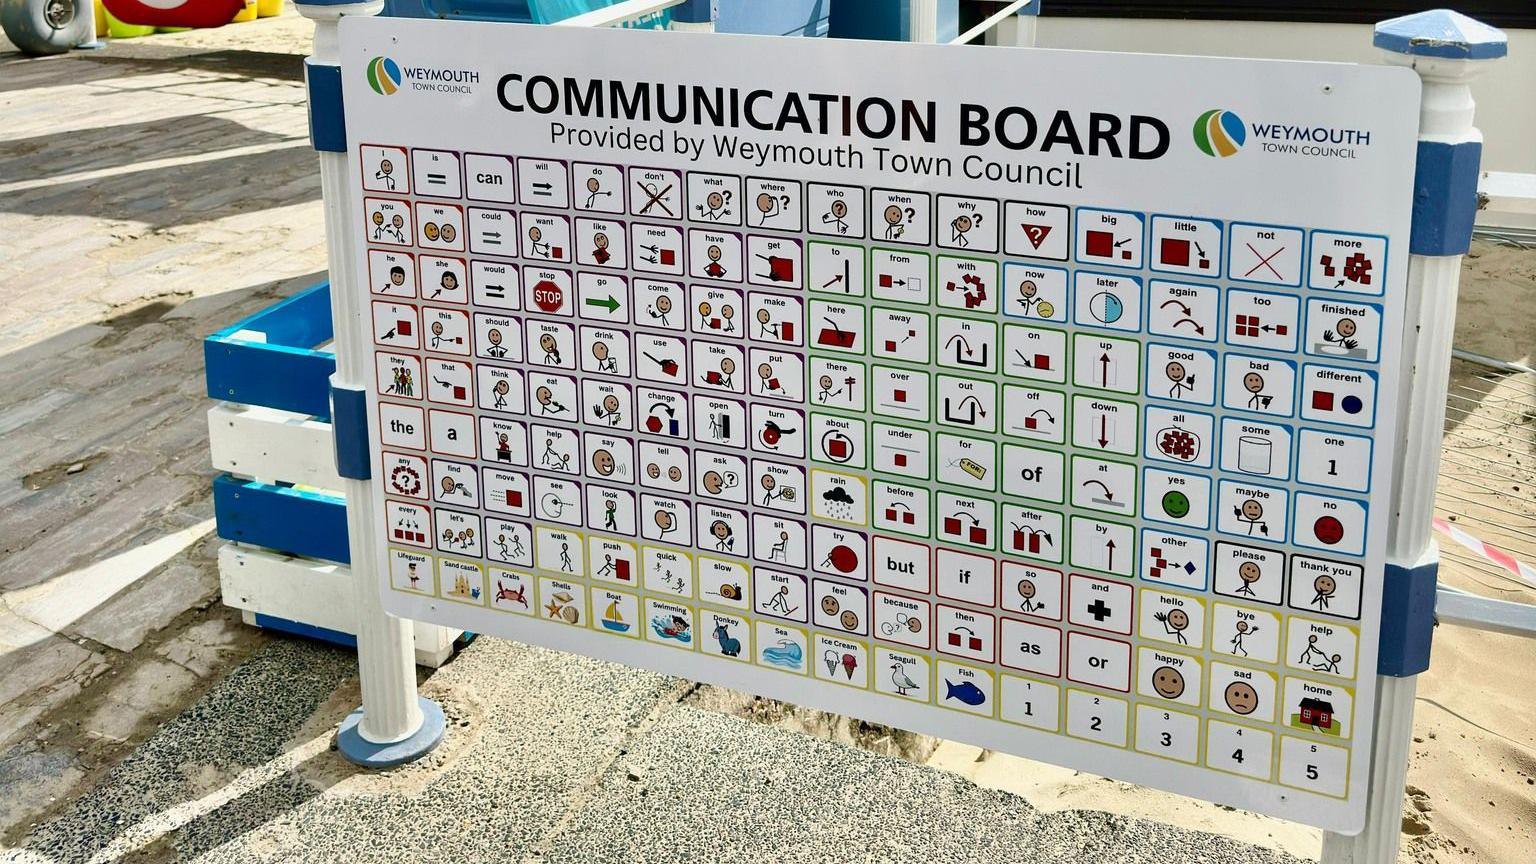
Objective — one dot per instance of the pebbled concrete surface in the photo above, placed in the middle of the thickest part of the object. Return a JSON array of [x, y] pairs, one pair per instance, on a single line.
[[550, 757]]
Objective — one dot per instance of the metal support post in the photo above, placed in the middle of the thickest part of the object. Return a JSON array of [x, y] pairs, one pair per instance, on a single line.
[[394, 725], [922, 20], [1446, 50], [1018, 29]]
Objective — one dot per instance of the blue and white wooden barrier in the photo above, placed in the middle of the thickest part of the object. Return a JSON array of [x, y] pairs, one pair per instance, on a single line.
[[284, 563]]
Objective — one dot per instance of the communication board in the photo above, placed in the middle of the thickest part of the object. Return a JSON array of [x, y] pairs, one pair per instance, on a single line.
[[1042, 400]]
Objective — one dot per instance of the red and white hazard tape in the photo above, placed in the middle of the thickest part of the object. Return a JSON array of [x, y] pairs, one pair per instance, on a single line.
[[1519, 569]]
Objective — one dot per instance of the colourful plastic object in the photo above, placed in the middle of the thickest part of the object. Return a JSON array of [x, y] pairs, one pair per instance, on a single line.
[[171, 13]]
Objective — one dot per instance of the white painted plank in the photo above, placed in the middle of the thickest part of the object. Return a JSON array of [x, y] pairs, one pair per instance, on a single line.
[[271, 445], [316, 593]]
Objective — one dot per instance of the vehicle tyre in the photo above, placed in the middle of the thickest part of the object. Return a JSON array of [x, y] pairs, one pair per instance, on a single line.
[[46, 26]]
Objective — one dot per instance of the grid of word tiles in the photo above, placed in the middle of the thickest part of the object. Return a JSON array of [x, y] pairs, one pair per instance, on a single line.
[[1098, 473]]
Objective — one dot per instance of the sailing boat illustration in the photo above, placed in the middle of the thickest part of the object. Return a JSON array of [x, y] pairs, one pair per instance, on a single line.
[[613, 620]]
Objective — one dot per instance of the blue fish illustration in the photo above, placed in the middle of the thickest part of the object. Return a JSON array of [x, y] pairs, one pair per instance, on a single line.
[[965, 692]]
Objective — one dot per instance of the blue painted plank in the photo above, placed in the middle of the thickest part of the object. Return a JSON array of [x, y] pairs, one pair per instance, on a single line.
[[281, 518], [335, 637], [285, 372]]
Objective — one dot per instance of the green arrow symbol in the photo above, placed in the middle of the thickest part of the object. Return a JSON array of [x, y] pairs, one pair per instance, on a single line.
[[609, 303]]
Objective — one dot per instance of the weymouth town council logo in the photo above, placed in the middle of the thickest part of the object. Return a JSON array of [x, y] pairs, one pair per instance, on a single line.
[[383, 75], [1219, 132]]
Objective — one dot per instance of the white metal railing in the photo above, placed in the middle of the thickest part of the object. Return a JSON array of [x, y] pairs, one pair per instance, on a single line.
[[619, 13], [995, 20]]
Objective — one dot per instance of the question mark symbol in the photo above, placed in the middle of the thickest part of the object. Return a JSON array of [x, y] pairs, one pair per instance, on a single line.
[[977, 220], [911, 214], [727, 196]]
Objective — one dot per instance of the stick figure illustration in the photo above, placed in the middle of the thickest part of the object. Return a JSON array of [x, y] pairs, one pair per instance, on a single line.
[[771, 490], [1182, 381], [595, 190], [725, 539], [605, 359], [1251, 512], [893, 222], [1027, 590], [397, 228], [714, 207], [501, 546], [961, 226], [780, 551], [1253, 382], [714, 269], [1345, 336], [503, 448], [437, 334], [780, 602], [837, 215], [1325, 586], [768, 382], [1328, 664], [1310, 650], [496, 349], [600, 248], [551, 349], [824, 389], [565, 559], [609, 410], [1249, 573], [1243, 628], [610, 518], [768, 207], [499, 391], [1174, 624], [536, 248], [660, 309], [386, 173], [546, 399]]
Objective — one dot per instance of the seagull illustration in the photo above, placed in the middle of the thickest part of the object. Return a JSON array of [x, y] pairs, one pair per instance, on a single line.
[[900, 679]]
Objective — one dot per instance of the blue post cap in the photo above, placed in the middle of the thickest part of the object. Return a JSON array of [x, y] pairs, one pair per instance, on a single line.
[[366, 754], [1441, 33]]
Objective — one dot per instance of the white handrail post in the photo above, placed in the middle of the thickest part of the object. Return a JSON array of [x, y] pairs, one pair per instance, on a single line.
[[394, 725], [696, 15], [1447, 50], [1018, 30], [922, 20]]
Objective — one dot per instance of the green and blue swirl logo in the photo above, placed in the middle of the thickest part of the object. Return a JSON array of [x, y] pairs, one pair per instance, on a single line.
[[383, 75], [1219, 132]]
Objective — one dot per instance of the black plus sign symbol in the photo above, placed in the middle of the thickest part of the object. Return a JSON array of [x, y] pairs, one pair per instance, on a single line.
[[1098, 610]]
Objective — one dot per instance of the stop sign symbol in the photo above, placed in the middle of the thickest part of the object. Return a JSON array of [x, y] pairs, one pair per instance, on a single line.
[[548, 296]]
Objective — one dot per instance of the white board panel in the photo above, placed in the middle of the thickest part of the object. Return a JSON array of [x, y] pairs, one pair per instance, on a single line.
[[1036, 399]]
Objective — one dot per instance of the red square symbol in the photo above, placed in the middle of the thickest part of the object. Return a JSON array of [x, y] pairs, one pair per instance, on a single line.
[[900, 460], [403, 327], [1322, 400], [1100, 244], [908, 517], [890, 345], [978, 535], [885, 280], [952, 526], [901, 395], [1031, 422], [1043, 361], [514, 498], [1175, 252], [1281, 329], [668, 257]]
